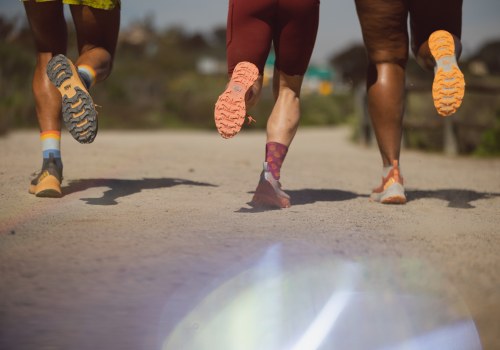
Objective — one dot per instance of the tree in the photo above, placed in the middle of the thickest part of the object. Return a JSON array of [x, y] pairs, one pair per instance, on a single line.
[[489, 54], [351, 64]]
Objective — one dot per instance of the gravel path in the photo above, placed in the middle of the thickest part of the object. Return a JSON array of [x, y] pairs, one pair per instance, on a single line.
[[154, 246]]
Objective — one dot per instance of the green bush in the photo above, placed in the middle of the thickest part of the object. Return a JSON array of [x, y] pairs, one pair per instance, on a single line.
[[489, 144], [326, 110]]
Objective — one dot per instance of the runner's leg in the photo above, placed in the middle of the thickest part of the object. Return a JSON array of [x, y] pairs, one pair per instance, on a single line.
[[48, 28], [436, 29], [248, 41], [294, 41], [385, 34], [97, 34], [426, 17]]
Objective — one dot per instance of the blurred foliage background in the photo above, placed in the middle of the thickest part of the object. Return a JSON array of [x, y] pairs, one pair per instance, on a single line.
[[170, 78]]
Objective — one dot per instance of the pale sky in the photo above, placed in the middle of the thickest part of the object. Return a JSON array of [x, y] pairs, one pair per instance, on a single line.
[[339, 26]]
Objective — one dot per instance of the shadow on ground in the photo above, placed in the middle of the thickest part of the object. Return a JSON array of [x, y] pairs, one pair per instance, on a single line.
[[122, 188], [456, 198], [308, 196]]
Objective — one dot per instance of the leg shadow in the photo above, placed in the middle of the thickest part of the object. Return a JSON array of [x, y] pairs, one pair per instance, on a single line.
[[456, 198], [122, 188], [308, 196]]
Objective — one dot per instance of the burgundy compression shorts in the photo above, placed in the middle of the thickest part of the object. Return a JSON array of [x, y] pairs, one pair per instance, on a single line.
[[291, 25]]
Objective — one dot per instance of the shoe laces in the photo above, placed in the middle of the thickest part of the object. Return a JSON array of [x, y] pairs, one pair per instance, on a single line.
[[396, 175], [250, 119], [36, 173], [45, 167]]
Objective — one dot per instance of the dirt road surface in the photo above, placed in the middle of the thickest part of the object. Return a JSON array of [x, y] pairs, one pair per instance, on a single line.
[[154, 246]]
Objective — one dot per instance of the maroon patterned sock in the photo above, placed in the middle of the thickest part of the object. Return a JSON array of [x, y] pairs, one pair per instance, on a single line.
[[275, 155]]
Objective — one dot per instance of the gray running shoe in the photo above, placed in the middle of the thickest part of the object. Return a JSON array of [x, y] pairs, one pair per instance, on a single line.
[[78, 109], [47, 182], [391, 191], [269, 192]]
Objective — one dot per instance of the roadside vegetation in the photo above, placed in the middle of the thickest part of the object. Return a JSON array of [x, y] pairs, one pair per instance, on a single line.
[[171, 78]]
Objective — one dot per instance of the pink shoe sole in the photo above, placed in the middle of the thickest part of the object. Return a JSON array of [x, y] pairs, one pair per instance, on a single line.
[[230, 108]]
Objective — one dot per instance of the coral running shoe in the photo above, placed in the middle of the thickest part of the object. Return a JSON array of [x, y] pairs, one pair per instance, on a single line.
[[230, 108], [391, 191], [449, 84], [269, 192], [47, 183], [78, 109]]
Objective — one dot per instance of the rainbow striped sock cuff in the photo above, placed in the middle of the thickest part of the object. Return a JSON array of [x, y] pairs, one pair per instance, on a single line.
[[87, 74], [51, 143]]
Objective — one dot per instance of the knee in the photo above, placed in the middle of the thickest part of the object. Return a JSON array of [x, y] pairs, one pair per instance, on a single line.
[[98, 57], [287, 86], [380, 57], [253, 94], [42, 59], [287, 95], [386, 74], [108, 69]]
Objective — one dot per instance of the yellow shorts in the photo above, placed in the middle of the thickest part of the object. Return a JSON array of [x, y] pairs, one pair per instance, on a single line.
[[98, 4]]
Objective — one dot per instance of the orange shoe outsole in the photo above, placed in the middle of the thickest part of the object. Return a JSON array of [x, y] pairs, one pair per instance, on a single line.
[[230, 108], [448, 87]]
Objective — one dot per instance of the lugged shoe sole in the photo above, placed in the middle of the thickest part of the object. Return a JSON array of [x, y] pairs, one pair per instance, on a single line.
[[78, 109], [230, 108], [448, 87]]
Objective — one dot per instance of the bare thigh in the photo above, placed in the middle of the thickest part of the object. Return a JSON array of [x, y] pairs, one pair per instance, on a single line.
[[96, 27], [385, 30], [48, 26]]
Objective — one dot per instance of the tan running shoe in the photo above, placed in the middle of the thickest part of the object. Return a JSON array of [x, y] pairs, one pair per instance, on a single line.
[[449, 84], [391, 191], [230, 108], [269, 192], [78, 109], [47, 183]]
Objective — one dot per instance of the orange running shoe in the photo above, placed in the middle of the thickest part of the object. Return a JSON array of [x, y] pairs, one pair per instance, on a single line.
[[391, 191], [47, 183], [230, 109], [78, 109], [269, 192], [449, 84]]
